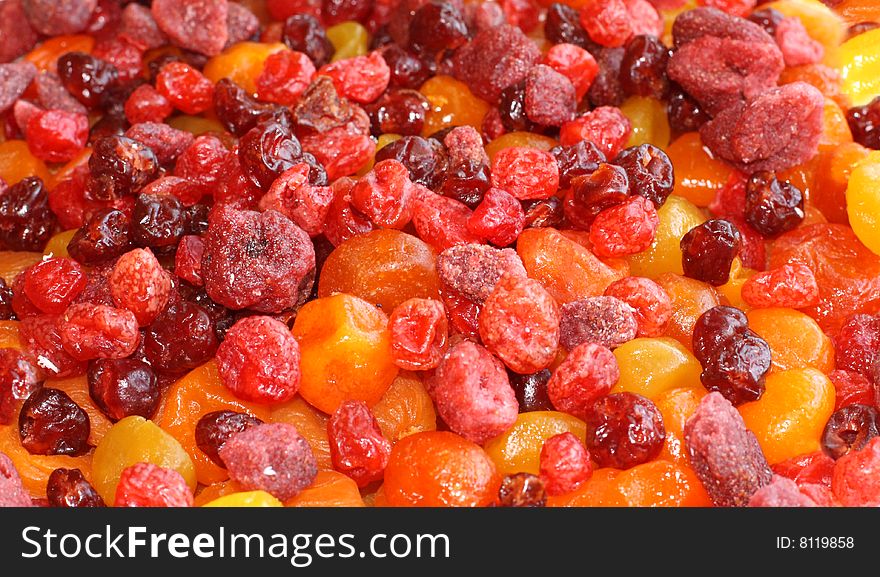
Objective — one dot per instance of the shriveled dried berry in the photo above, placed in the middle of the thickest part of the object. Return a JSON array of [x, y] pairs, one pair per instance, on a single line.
[[425, 158], [293, 195], [407, 69], [624, 430], [157, 220], [361, 79], [181, 338], [257, 260], [303, 33], [442, 221], [649, 171], [57, 135], [708, 251], [565, 463], [563, 25], [53, 283], [624, 229], [606, 187], [780, 492], [398, 112], [715, 327], [123, 387], [606, 89], [26, 222], [6, 311], [683, 112], [474, 270], [50, 423], [419, 331], [145, 104], [185, 87], [574, 63], [105, 236], [791, 285], [54, 18], [724, 454], [472, 393], [522, 490], [120, 166], [602, 320], [643, 67], [41, 337], [581, 159], [239, 112], [606, 126], [499, 218], [850, 429], [607, 22], [531, 390], [526, 173], [550, 97], [86, 77], [587, 374], [272, 457], [357, 446], [650, 303], [69, 488], [384, 195], [90, 331], [338, 11], [435, 27], [148, 485], [259, 360], [773, 207], [215, 428], [864, 123], [167, 143], [266, 151], [197, 25], [545, 212]]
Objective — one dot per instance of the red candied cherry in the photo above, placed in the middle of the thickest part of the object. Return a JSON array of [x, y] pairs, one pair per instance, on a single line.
[[587, 373], [565, 463], [53, 283], [606, 126], [148, 485], [91, 331], [362, 78], [123, 387], [441, 221], [791, 285], [188, 259], [624, 229], [146, 104], [215, 428], [357, 446], [285, 76], [385, 194], [499, 218], [650, 303], [857, 344], [472, 393], [526, 173], [624, 430], [41, 337], [57, 135], [139, 284], [419, 331], [607, 22], [185, 87], [853, 388], [574, 63], [259, 360], [296, 198]]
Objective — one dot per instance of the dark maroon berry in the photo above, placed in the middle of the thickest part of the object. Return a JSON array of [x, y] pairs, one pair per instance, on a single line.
[[544, 212], [606, 89], [6, 312], [239, 112], [683, 112], [643, 67], [849, 429], [110, 124], [531, 391], [155, 65], [864, 122], [87, 77], [708, 250], [581, 159], [123, 387], [157, 220], [467, 182], [68, 488], [624, 430], [773, 207], [398, 112], [180, 339], [714, 328], [266, 151], [512, 108], [768, 19], [739, 368], [522, 490], [26, 222], [120, 166], [337, 11], [214, 429], [195, 218], [607, 186], [435, 27], [303, 33], [649, 171], [105, 236], [50, 423], [563, 26], [407, 69], [380, 38], [424, 158]]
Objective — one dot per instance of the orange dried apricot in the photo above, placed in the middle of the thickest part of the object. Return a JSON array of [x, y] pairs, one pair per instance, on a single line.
[[405, 408], [17, 162], [652, 366], [690, 298], [698, 175], [330, 489], [451, 104], [677, 405], [310, 423], [796, 341], [242, 63]]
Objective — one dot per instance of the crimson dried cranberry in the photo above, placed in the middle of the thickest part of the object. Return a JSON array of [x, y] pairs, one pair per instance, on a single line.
[[772, 207], [293, 195], [435, 27], [51, 423], [92, 331], [857, 344], [284, 78], [120, 166], [180, 339], [624, 229], [148, 485], [26, 222], [398, 112], [419, 331], [425, 158], [157, 220], [531, 390], [849, 429], [708, 251], [105, 236], [563, 26], [544, 212], [526, 173], [522, 490], [69, 488], [499, 218], [581, 159], [624, 430], [41, 337], [123, 387], [88, 78], [266, 151], [185, 87], [587, 374], [607, 127], [643, 67], [53, 283], [238, 111], [607, 186], [442, 221], [864, 123], [606, 89], [214, 429], [683, 112], [357, 446], [564, 463], [56, 135], [407, 69]]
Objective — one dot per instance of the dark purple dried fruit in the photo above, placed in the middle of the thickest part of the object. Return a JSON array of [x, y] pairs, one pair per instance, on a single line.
[[338, 11], [50, 423], [849, 429], [768, 19], [303, 33], [105, 236], [239, 112], [266, 151], [435, 27], [424, 158], [864, 122], [624, 430], [708, 250], [581, 159], [544, 212], [180, 339], [643, 67], [531, 390], [512, 108], [123, 387], [522, 490], [88, 78], [120, 166], [6, 312], [68, 488], [649, 171], [739, 370], [214, 429], [26, 222], [563, 26], [407, 69], [773, 207], [715, 327], [157, 220], [684, 113], [398, 112], [605, 187], [467, 182]]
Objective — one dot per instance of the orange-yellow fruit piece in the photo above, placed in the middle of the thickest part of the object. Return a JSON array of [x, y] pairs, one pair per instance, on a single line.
[[568, 270], [17, 162], [698, 175], [795, 339], [245, 499], [832, 176], [519, 139], [451, 104], [650, 124], [383, 267], [345, 349], [57, 245], [518, 450], [405, 408], [191, 397], [690, 299], [34, 470], [330, 489], [13, 262], [310, 423], [789, 417], [45, 56], [9, 335], [242, 63], [677, 406], [677, 216], [652, 366]]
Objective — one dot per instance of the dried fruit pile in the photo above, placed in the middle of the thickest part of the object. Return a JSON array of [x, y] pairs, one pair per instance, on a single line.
[[439, 253]]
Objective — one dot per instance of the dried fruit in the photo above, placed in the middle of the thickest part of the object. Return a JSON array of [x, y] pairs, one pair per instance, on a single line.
[[791, 285], [357, 446], [26, 222], [708, 250], [214, 429], [624, 430], [197, 25], [526, 173], [123, 387], [50, 423], [772, 207], [148, 485], [850, 429], [139, 284], [565, 464], [602, 320], [650, 304], [68, 488], [419, 331], [522, 490], [627, 228], [586, 375]]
